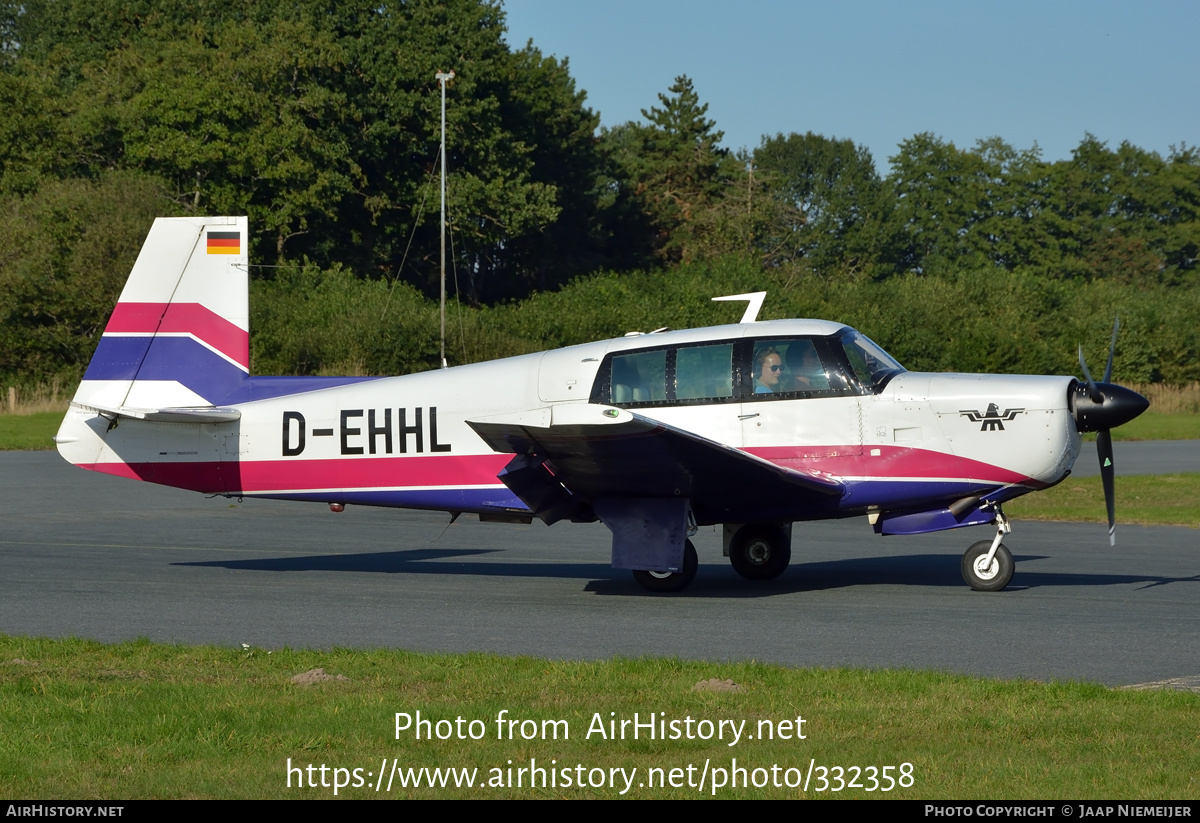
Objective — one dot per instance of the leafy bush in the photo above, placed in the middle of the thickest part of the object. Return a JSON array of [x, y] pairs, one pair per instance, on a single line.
[[65, 252]]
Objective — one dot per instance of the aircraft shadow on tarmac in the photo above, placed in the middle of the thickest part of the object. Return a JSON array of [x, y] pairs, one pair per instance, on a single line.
[[399, 562], [713, 580]]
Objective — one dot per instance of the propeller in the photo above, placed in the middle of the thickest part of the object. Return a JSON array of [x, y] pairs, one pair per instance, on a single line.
[[1100, 407]]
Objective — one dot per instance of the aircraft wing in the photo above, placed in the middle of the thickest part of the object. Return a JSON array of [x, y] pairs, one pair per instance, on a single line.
[[593, 452]]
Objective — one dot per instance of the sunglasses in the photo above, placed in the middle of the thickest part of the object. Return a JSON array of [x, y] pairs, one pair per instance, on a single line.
[[775, 368]]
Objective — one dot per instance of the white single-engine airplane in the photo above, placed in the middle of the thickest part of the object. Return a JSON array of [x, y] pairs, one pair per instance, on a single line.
[[754, 425]]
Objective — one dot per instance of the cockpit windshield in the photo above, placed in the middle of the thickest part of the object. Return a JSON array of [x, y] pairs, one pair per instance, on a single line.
[[872, 365]]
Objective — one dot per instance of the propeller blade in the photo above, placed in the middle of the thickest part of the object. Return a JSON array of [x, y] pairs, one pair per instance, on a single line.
[[1093, 392], [1100, 411], [1112, 347], [1105, 450]]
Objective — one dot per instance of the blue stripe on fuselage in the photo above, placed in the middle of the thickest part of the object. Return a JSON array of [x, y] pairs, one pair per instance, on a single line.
[[265, 388], [197, 367], [461, 500]]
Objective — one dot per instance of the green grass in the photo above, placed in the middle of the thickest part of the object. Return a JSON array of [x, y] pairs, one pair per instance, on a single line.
[[1150, 500], [28, 432], [84, 720]]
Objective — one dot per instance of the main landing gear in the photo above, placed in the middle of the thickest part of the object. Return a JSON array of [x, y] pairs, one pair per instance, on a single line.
[[760, 551], [757, 551], [670, 581], [988, 565]]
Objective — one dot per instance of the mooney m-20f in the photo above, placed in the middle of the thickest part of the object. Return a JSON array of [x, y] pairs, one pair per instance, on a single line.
[[754, 425]]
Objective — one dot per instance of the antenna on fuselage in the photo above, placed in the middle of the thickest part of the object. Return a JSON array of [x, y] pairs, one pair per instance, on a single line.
[[754, 301]]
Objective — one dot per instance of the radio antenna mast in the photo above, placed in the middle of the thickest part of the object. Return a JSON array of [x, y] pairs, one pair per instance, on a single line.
[[442, 78]]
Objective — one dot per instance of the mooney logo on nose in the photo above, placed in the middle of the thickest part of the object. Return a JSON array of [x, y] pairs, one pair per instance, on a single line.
[[992, 419]]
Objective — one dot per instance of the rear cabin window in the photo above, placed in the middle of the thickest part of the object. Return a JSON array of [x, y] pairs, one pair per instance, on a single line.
[[675, 375], [640, 377], [703, 372]]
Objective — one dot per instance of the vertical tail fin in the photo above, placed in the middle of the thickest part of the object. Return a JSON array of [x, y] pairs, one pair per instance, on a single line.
[[180, 334]]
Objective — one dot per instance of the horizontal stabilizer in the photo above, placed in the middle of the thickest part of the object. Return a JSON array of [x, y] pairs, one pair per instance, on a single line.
[[203, 414]]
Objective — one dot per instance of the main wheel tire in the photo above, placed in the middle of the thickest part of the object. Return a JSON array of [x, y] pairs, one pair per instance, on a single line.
[[993, 577], [670, 581], [760, 552]]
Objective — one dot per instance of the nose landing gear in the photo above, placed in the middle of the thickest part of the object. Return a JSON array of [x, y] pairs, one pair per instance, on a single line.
[[988, 565]]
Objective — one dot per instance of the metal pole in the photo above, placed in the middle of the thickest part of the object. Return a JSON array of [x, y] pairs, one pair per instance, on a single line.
[[442, 77]]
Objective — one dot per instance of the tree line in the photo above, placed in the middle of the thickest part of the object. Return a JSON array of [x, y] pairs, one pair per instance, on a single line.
[[320, 121]]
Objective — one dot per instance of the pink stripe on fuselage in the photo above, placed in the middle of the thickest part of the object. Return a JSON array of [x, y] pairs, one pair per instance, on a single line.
[[187, 318], [257, 476], [892, 461], [450, 471]]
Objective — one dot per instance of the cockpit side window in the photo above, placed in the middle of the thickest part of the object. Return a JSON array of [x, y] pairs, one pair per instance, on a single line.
[[795, 368]]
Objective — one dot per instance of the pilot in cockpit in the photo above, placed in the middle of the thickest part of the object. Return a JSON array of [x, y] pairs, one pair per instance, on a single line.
[[767, 367]]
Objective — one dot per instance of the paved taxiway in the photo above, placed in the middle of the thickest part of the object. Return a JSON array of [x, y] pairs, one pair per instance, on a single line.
[[111, 559]]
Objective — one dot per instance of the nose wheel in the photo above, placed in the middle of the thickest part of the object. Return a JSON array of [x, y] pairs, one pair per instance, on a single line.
[[988, 565], [987, 575]]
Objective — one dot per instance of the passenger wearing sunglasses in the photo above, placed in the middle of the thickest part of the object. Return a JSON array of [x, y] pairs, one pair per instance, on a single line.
[[767, 367]]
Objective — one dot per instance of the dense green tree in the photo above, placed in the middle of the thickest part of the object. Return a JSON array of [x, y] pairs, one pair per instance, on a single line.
[[550, 118], [673, 165], [241, 118], [1125, 214], [320, 120], [313, 321], [842, 209], [494, 200], [65, 253], [941, 195], [32, 138]]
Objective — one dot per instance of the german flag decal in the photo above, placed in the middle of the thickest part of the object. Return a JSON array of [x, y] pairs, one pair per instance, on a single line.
[[224, 242]]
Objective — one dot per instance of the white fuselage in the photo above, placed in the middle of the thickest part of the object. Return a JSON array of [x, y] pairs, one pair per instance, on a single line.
[[404, 441]]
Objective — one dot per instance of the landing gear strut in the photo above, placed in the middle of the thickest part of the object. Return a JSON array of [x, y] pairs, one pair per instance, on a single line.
[[988, 565]]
